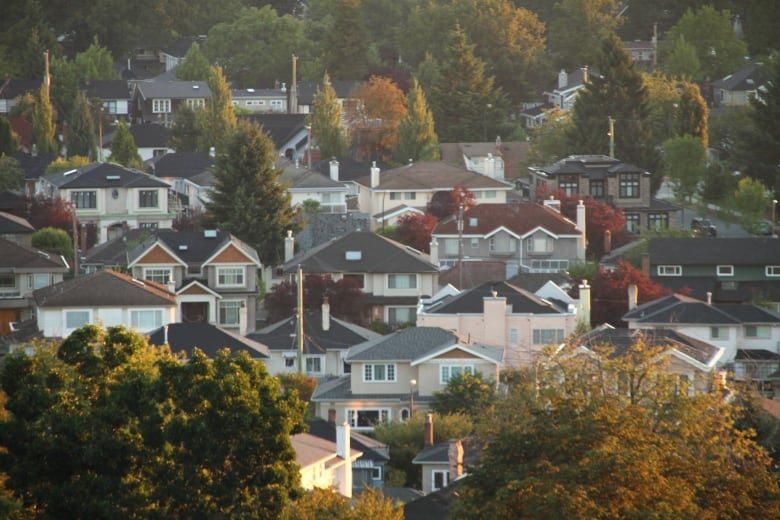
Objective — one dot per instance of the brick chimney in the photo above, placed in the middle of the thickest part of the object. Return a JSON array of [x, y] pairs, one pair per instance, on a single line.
[[428, 435], [455, 459]]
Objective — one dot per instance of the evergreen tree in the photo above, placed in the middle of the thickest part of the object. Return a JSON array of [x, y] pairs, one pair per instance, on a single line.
[[326, 130], [81, 128], [218, 120], [764, 145], [417, 138], [346, 55], [248, 199], [43, 128], [123, 148], [11, 173], [195, 66], [692, 114], [617, 92], [9, 142], [185, 132]]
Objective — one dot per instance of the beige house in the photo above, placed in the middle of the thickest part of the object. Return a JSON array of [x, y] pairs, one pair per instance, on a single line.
[[325, 464]]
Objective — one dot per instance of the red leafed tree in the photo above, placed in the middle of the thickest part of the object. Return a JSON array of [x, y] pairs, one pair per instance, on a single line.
[[41, 211], [415, 230], [609, 293], [344, 296], [445, 203]]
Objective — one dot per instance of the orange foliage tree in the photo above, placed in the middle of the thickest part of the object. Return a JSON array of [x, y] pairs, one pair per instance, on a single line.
[[373, 113]]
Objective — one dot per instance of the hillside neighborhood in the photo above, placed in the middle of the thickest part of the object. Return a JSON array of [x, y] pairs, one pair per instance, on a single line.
[[391, 273]]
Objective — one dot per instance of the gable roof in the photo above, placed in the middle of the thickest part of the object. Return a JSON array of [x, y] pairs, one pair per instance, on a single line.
[[149, 89], [114, 252], [192, 247], [106, 89], [150, 135], [433, 175], [520, 219], [472, 301], [474, 273], [183, 165], [281, 128], [350, 168], [15, 258], [676, 309], [310, 449], [375, 254], [371, 448], [179, 47], [749, 77], [207, 337], [14, 225], [105, 288], [711, 251], [104, 175], [299, 177], [12, 88], [592, 166]]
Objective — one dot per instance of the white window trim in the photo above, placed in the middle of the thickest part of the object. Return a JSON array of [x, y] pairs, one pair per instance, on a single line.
[[160, 312], [676, 270], [412, 276], [161, 106], [146, 270], [772, 270], [725, 270], [219, 308], [465, 368], [373, 376], [353, 421], [322, 364], [220, 269], [757, 335], [435, 472], [65, 312]]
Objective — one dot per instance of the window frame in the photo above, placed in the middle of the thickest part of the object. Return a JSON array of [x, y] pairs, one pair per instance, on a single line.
[[224, 272], [352, 416], [148, 199], [728, 270], [758, 330], [228, 305], [392, 280], [135, 322], [161, 106], [370, 373], [719, 333], [772, 270], [312, 359], [84, 199], [446, 371], [445, 478], [669, 270], [629, 185], [154, 275], [68, 312], [538, 336]]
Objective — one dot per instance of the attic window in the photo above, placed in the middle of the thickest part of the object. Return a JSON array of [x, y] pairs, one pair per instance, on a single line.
[[209, 233], [183, 247], [353, 255], [473, 222]]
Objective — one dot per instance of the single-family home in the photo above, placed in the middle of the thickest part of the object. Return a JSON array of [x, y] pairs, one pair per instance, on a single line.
[[208, 338], [151, 140], [173, 54], [112, 197], [261, 99], [114, 96], [388, 195], [609, 180], [108, 298], [326, 464], [306, 90], [561, 95], [643, 52], [112, 254], [34, 165], [190, 174], [288, 132], [158, 101], [499, 159], [306, 184], [737, 88], [212, 273], [16, 229], [396, 375], [444, 463]]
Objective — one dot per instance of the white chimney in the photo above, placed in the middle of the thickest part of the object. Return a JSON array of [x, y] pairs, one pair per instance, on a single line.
[[284, 86], [213, 151], [495, 311], [343, 450], [374, 175], [428, 432], [553, 204], [581, 241], [325, 315], [171, 285], [289, 246], [709, 298], [334, 169], [633, 293], [434, 246], [165, 335], [242, 319], [563, 79], [584, 305]]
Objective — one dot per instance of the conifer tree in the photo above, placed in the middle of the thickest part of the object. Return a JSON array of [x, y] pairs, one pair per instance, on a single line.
[[185, 132], [764, 144], [326, 130], [81, 128], [346, 55], [43, 122], [417, 138], [218, 119], [123, 148]]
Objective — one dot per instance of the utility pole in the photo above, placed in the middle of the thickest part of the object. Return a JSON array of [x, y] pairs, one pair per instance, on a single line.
[[460, 244], [611, 135], [300, 319], [292, 106]]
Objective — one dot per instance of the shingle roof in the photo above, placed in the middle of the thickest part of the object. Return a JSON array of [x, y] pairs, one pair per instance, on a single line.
[[106, 89], [677, 309], [433, 175], [150, 135], [208, 338], [593, 166], [299, 177], [104, 175], [17, 258], [114, 252], [747, 78], [182, 165], [14, 225], [518, 218], [714, 250], [280, 127], [439, 453], [371, 448], [310, 449], [104, 288], [474, 273], [12, 88], [149, 89], [473, 301], [192, 247], [34, 165]]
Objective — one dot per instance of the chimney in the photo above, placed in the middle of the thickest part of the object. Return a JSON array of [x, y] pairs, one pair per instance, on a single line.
[[165, 335], [455, 459], [490, 166], [242, 319], [325, 314], [584, 74], [563, 79], [334, 169], [343, 451], [553, 204], [428, 435], [495, 316], [171, 285], [633, 291], [284, 86], [332, 416], [289, 246], [434, 246], [581, 241], [584, 306], [645, 263], [709, 298], [607, 242], [374, 175]]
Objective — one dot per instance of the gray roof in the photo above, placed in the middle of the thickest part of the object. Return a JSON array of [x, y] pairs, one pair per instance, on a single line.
[[192, 247], [15, 258], [433, 175], [104, 289], [206, 337], [106, 89], [14, 225], [150, 135], [339, 389], [592, 166], [473, 301], [299, 177], [182, 165], [714, 250], [104, 175], [114, 252], [149, 89], [748, 78], [683, 310], [439, 453]]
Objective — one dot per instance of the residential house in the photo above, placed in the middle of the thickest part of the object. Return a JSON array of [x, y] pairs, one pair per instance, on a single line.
[[561, 95], [609, 180], [305, 184], [208, 338], [108, 298], [388, 195], [158, 101], [112, 197], [396, 375], [730, 270], [325, 343], [391, 275], [16, 229], [500, 160], [502, 315], [151, 140], [34, 166], [748, 334], [737, 88], [191, 176], [325, 464], [288, 132], [114, 96], [306, 90], [261, 99], [213, 274], [22, 271], [11, 89], [444, 463], [643, 52], [113, 253], [174, 53], [524, 236]]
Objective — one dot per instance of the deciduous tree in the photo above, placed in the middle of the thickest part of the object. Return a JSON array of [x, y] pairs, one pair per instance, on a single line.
[[684, 162], [346, 53], [326, 130], [414, 229], [81, 128], [578, 27], [42, 211], [681, 61], [195, 67], [417, 139], [374, 113], [11, 174], [218, 120], [186, 132], [466, 393], [123, 148], [344, 296], [53, 240], [763, 144], [445, 204], [43, 122]]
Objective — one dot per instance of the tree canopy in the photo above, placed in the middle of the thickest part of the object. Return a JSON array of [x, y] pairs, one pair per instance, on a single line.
[[376, 108], [327, 132], [344, 297], [417, 139], [123, 148]]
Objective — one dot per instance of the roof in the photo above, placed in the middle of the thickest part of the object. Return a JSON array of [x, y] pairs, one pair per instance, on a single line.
[[472, 301], [519, 219], [299, 177], [106, 89], [438, 504], [180, 46], [350, 169], [439, 453], [341, 335], [282, 128], [114, 252], [149, 89], [181, 165], [207, 337], [591, 166], [712, 250], [34, 164], [192, 247], [310, 449], [749, 77], [433, 175], [474, 273], [372, 253], [150, 135], [104, 175], [307, 89], [252, 93], [372, 449], [532, 282], [512, 152], [105, 288], [11, 88], [14, 225], [15, 258], [682, 310]]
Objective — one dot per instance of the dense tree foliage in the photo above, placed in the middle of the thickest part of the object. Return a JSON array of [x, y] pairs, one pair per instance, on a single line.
[[470, 394], [82, 137], [577, 28], [217, 121], [445, 204], [417, 139], [11, 173], [326, 503], [53, 240], [123, 148], [42, 211], [186, 132], [414, 229], [763, 144], [195, 67], [346, 53], [344, 296], [327, 132], [684, 163], [375, 110], [43, 122]]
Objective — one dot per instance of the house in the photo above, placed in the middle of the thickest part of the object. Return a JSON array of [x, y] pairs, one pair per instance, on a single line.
[[22, 271], [500, 160], [392, 193], [213, 274], [394, 376], [391, 275], [525, 236], [325, 464], [504, 316], [261, 99], [287, 131], [210, 339], [609, 180], [369, 469], [12, 88], [306, 90], [325, 343], [174, 53], [561, 95], [16, 229], [306, 184], [737, 88], [730, 270], [113, 253], [158, 101], [105, 297], [34, 166], [748, 334], [190, 174], [151, 140], [643, 52], [444, 463], [114, 96], [112, 197]]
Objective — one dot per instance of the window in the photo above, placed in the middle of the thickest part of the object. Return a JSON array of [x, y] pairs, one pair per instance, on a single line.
[[276, 105], [725, 270], [367, 418], [147, 199], [376, 473], [402, 281], [161, 106], [401, 315], [773, 270], [230, 276], [146, 319], [669, 270], [569, 184], [513, 336], [447, 372], [358, 278], [196, 103], [313, 364], [490, 194], [474, 243], [757, 331], [110, 106], [37, 281], [539, 245], [8, 286], [229, 312], [547, 336], [76, 319], [549, 266], [439, 479], [410, 195], [394, 195], [289, 362], [657, 221], [719, 333], [84, 199], [379, 373], [628, 186], [597, 189], [632, 222], [158, 274], [148, 225]]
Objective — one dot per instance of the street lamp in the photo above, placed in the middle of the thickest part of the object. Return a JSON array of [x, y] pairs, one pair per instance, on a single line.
[[412, 384], [774, 205]]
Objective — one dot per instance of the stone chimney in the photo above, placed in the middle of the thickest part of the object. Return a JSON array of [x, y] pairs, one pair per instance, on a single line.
[[434, 254], [583, 314], [242, 319], [428, 433], [455, 459], [374, 175], [633, 292], [563, 79], [334, 169], [343, 450], [289, 246], [325, 314], [582, 240]]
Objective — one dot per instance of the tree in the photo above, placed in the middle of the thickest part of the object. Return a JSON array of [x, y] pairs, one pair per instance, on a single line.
[[346, 49], [549, 142], [123, 149], [248, 199], [414, 229], [763, 144], [445, 204], [60, 164], [466, 393], [681, 61], [417, 139], [9, 141], [344, 296], [577, 28], [11, 174], [751, 200], [692, 114], [684, 162], [108, 426], [374, 114], [186, 133], [218, 120], [81, 128], [326, 130], [43, 128], [53, 240], [195, 67], [326, 503], [42, 211]]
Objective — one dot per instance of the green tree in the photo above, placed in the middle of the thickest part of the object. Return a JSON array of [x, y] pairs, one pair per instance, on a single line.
[[81, 128], [68, 76], [681, 60], [96, 62], [577, 28], [9, 141], [195, 67], [186, 132], [123, 148], [684, 162], [43, 128], [326, 131], [417, 139], [218, 120], [53, 240], [248, 199], [549, 142], [762, 145], [60, 164], [346, 48], [326, 503], [692, 114], [751, 200], [11, 174], [466, 393]]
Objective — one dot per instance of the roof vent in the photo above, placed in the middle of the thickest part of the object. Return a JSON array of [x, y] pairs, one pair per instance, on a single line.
[[353, 255], [113, 177], [195, 87], [70, 172], [183, 247], [250, 90], [209, 233]]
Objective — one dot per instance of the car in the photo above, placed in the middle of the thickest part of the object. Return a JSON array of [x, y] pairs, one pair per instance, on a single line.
[[702, 226]]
